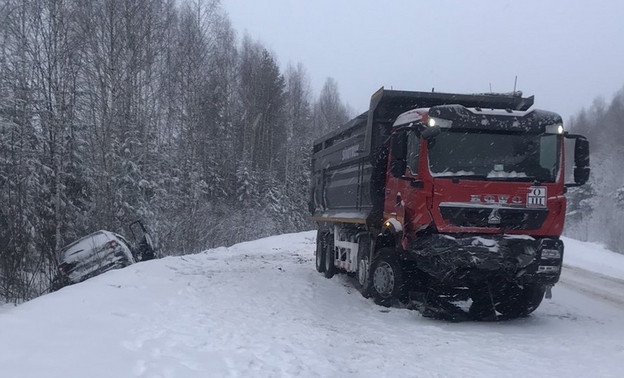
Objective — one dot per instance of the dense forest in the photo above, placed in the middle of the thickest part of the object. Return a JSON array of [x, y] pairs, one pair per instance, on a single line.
[[596, 210], [117, 110]]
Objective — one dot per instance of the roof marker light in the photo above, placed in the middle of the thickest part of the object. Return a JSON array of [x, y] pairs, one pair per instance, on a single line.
[[441, 122], [554, 129]]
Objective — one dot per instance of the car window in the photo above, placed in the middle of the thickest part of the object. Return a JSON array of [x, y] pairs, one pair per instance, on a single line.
[[86, 244]]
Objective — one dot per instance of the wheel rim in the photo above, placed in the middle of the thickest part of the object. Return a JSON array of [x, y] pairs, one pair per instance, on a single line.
[[363, 271], [383, 279]]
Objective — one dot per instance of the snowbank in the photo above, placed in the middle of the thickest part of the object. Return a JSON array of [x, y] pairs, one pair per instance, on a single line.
[[259, 309], [593, 257]]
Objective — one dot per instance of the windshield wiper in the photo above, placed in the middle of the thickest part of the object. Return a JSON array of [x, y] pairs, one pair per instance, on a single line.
[[465, 177], [493, 178], [516, 178]]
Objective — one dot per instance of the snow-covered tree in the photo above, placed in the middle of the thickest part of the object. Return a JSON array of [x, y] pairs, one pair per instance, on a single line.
[[592, 214], [329, 111], [117, 110]]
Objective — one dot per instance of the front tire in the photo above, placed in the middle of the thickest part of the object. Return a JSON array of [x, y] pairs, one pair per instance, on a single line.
[[386, 278], [482, 307], [519, 301]]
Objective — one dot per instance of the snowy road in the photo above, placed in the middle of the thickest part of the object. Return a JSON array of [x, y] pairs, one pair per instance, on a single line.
[[594, 285], [259, 309]]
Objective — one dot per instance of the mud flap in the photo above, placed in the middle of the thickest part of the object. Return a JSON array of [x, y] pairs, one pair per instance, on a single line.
[[548, 294]]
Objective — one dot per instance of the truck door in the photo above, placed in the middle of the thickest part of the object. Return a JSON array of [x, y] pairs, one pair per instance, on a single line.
[[406, 191]]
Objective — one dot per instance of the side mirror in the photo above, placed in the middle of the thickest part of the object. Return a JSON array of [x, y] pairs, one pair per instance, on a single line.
[[581, 175], [581, 160], [581, 152]]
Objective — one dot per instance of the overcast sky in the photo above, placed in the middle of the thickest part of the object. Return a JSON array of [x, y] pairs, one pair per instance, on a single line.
[[565, 53]]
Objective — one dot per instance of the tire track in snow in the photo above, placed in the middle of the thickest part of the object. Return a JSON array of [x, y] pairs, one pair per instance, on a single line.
[[594, 285]]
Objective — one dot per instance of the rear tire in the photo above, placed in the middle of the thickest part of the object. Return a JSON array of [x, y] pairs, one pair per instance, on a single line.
[[518, 301], [329, 253], [363, 274], [386, 278], [320, 252]]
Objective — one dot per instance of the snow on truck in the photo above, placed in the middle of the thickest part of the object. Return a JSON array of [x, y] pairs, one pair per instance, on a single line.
[[451, 203]]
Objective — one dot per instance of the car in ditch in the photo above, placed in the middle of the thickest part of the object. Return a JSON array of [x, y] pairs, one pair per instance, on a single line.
[[100, 252]]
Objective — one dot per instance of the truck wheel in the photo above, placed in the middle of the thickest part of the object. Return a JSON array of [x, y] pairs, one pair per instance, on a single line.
[[320, 252], [386, 278], [363, 276], [518, 301], [482, 307], [330, 268]]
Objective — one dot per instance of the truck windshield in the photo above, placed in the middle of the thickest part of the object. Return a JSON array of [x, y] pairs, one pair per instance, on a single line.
[[495, 156]]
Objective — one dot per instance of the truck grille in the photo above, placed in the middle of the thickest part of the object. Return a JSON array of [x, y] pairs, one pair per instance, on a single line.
[[507, 218]]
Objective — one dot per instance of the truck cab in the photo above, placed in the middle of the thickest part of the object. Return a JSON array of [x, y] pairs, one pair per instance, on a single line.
[[466, 195]]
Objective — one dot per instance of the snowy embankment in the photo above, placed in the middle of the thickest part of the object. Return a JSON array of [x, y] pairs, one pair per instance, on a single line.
[[591, 269], [593, 257], [259, 309]]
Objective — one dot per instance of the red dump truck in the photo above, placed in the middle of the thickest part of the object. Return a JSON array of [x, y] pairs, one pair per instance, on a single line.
[[450, 203]]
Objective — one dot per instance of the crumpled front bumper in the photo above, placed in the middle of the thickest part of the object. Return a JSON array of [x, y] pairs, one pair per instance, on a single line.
[[463, 258]]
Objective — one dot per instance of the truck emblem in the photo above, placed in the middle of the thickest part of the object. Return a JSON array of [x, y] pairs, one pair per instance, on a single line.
[[494, 217]]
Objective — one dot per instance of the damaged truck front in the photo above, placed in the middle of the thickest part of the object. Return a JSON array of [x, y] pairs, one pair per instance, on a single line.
[[449, 202]]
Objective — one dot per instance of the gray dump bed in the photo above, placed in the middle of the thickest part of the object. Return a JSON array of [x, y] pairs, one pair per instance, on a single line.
[[349, 164]]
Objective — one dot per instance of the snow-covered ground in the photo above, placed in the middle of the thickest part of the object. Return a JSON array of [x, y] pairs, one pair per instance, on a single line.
[[259, 309]]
